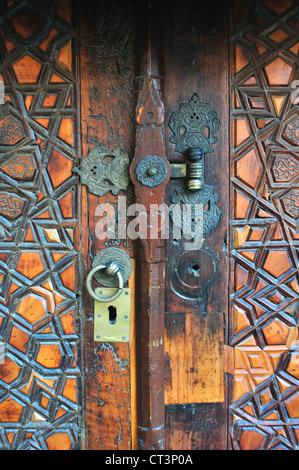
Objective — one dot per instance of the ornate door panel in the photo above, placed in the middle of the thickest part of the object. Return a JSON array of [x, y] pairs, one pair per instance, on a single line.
[[264, 233], [197, 279], [40, 371], [212, 360], [107, 104]]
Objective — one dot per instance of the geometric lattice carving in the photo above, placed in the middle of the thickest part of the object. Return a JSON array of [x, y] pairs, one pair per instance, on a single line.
[[265, 408], [39, 373], [20, 70], [278, 72], [26, 22]]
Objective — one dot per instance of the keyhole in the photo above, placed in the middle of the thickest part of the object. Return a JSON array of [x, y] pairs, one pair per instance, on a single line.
[[112, 315], [194, 269]]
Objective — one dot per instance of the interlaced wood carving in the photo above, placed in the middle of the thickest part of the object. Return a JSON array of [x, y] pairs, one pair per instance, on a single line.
[[264, 115], [39, 369]]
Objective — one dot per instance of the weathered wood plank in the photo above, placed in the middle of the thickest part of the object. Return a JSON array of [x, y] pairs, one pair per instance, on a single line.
[[194, 356], [195, 426], [107, 97], [196, 51], [196, 55]]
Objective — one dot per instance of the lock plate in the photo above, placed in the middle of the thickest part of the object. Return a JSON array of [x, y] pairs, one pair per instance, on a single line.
[[112, 319]]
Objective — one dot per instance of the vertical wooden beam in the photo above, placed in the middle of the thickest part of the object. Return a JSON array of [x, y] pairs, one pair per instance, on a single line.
[[196, 54], [151, 262]]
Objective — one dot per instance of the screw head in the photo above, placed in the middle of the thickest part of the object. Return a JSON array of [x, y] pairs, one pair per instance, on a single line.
[[123, 338], [152, 171]]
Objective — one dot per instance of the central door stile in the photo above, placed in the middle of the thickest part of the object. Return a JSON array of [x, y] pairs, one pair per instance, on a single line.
[[150, 173]]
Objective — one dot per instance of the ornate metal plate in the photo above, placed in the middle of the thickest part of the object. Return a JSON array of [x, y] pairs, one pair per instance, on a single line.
[[207, 198], [103, 171], [194, 125], [120, 257]]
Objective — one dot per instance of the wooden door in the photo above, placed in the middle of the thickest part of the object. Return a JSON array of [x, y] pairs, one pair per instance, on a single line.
[[212, 361]]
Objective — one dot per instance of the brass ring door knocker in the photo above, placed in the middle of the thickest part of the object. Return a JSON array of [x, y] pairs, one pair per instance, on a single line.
[[111, 269]]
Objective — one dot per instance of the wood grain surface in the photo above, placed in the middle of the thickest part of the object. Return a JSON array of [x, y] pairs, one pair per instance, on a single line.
[[107, 110]]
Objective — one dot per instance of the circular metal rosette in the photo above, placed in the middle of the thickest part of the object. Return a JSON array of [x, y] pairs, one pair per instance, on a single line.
[[191, 273], [151, 171], [117, 256]]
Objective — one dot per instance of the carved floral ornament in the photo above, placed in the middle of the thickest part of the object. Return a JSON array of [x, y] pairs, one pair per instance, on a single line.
[[10, 131], [291, 203], [292, 132], [21, 167], [285, 168], [11, 206], [14, 130]]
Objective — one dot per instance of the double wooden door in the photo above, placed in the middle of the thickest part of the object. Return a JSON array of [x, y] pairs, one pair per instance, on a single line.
[[212, 358]]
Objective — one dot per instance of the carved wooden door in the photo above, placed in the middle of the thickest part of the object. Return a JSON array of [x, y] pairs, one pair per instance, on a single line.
[[212, 357]]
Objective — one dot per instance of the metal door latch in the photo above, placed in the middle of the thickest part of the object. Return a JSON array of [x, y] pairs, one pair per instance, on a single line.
[[111, 267], [192, 170], [194, 126]]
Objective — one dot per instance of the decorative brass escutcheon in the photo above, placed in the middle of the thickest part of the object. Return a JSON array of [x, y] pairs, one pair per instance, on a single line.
[[111, 267], [112, 319]]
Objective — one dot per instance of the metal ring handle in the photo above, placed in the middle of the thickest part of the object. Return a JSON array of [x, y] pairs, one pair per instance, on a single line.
[[113, 269]]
